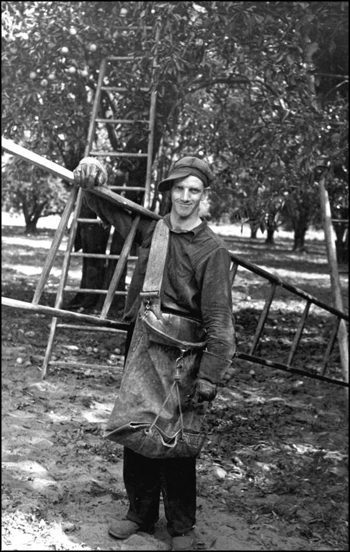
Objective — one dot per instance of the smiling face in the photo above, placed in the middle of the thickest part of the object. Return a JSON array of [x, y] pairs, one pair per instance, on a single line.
[[186, 196]]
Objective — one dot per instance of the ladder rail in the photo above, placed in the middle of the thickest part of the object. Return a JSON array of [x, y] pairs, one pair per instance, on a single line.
[[119, 268], [62, 284], [286, 285], [233, 272], [73, 230], [95, 108], [61, 313], [147, 196], [67, 254], [330, 346], [290, 369], [50, 259], [152, 123]]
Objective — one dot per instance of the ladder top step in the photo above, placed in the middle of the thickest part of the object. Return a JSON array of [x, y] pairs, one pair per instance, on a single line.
[[121, 58], [127, 121], [117, 154], [100, 256], [127, 188], [122, 88]]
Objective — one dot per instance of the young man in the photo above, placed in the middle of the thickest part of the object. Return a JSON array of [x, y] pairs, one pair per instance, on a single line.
[[196, 285]]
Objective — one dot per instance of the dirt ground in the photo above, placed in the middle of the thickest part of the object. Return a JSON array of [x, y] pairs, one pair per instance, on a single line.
[[273, 474]]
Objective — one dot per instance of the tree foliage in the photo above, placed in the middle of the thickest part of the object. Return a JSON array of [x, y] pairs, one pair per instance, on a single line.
[[257, 88], [29, 190]]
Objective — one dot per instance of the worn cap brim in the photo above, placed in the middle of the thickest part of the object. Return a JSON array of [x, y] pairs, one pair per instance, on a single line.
[[181, 172]]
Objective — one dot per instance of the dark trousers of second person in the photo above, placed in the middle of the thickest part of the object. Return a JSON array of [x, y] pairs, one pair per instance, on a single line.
[[146, 478]]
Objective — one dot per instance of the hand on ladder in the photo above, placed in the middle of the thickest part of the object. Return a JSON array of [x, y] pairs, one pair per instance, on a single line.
[[90, 173]]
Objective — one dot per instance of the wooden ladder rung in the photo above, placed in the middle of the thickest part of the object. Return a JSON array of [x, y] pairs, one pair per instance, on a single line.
[[233, 272], [89, 328], [89, 221], [84, 365], [126, 121], [298, 333], [100, 256], [263, 318], [117, 154], [50, 259], [122, 89], [86, 290], [330, 347], [120, 58], [94, 255], [128, 188]]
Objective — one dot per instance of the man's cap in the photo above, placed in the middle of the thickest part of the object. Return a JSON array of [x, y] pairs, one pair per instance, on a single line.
[[187, 166]]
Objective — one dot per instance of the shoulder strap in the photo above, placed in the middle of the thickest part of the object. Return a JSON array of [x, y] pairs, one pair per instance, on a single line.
[[156, 261]]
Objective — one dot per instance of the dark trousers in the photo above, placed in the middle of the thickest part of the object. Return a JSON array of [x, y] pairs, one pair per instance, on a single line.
[[145, 478]]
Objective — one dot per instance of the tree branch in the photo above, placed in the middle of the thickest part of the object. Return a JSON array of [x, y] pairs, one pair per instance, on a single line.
[[221, 80]]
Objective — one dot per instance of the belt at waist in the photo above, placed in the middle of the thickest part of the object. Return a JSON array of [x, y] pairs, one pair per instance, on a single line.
[[180, 313]]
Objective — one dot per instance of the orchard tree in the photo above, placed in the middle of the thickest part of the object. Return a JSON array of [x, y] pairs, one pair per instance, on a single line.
[[237, 82], [30, 190], [283, 121]]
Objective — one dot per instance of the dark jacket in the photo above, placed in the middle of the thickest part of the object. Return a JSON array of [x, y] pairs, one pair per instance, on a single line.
[[196, 281]]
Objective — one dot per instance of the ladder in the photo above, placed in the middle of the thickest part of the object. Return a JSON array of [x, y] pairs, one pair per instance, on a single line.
[[253, 353], [76, 199]]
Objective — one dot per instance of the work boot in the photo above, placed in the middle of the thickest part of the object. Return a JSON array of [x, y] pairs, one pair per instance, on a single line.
[[190, 541], [122, 529]]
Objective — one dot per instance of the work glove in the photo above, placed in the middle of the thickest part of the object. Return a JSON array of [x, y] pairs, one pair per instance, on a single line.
[[204, 391], [89, 173]]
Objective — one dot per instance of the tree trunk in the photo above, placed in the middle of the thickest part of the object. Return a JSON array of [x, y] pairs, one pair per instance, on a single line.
[[31, 225], [299, 238], [270, 240], [253, 231], [31, 218], [342, 242], [300, 215]]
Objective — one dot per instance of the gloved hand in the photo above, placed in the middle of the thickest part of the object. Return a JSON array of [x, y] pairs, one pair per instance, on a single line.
[[89, 173], [204, 391]]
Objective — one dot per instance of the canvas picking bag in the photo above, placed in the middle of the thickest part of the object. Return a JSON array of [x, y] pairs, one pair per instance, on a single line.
[[154, 413]]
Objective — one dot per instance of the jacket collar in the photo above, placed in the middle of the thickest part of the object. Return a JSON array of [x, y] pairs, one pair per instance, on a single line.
[[194, 231]]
